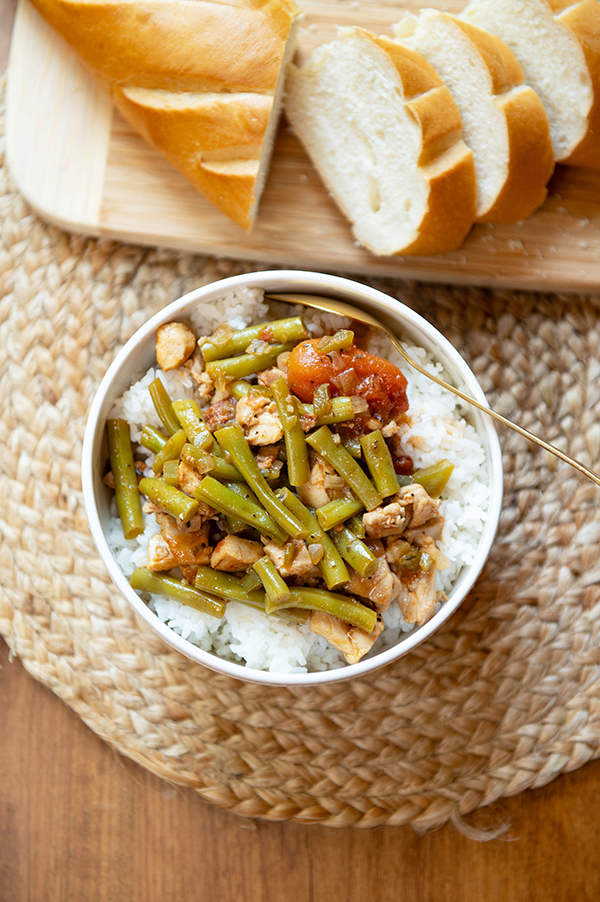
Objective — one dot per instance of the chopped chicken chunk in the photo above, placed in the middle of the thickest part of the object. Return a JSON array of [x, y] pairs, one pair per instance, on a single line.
[[188, 477], [188, 547], [418, 597], [160, 556], [301, 564], [233, 553], [350, 640], [175, 342], [432, 528], [267, 456], [390, 429], [388, 520], [380, 589], [323, 479], [174, 547], [268, 377], [220, 413], [205, 383], [258, 416], [420, 507]]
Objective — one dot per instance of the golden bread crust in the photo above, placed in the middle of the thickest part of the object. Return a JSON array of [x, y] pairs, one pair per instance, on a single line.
[[177, 48], [530, 155], [531, 159], [583, 19]]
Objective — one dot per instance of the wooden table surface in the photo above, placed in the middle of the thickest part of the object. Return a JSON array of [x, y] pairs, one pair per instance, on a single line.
[[78, 823]]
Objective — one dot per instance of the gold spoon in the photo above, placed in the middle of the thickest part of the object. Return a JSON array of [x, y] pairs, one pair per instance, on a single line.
[[330, 305]]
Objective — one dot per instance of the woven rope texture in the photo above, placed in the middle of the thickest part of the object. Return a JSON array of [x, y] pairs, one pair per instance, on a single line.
[[504, 697]]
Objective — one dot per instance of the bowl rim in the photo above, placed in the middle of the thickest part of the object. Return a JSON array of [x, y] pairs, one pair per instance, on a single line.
[[354, 293]]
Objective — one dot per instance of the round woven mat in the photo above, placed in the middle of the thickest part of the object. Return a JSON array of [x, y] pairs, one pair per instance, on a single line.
[[504, 697]]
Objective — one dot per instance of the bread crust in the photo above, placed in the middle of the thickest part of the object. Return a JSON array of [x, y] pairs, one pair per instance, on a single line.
[[583, 19], [194, 57], [446, 163], [530, 155], [531, 158]]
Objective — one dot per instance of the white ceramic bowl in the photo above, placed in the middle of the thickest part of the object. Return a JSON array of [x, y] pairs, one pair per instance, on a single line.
[[138, 355]]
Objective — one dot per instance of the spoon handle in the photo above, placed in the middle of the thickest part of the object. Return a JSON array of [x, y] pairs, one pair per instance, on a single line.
[[498, 416], [343, 309]]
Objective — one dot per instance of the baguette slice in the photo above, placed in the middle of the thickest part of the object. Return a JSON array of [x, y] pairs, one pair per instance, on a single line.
[[385, 135], [201, 81], [553, 61], [504, 121], [583, 20]]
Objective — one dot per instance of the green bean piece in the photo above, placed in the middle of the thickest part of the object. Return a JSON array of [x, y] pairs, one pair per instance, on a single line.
[[355, 552], [251, 581], [230, 504], [289, 555], [232, 439], [353, 447], [276, 589], [197, 432], [224, 470], [295, 443], [172, 500], [341, 410], [331, 564], [246, 365], [337, 511], [240, 388], [169, 472], [152, 439], [380, 464], [171, 450], [225, 585], [280, 331], [357, 526], [293, 615], [434, 478], [240, 488], [200, 460], [145, 581], [343, 338], [342, 462], [404, 480], [341, 606], [322, 401], [127, 493], [163, 406]]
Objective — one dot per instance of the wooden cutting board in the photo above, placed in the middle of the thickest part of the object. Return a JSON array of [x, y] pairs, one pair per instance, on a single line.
[[81, 166]]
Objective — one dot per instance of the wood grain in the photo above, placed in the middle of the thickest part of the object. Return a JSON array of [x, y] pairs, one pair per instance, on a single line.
[[78, 822], [84, 168]]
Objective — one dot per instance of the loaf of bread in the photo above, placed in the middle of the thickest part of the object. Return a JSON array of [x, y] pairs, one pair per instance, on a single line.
[[385, 134], [201, 81], [560, 56], [504, 121]]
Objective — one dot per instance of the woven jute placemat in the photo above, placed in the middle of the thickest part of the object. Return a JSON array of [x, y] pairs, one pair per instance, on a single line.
[[504, 697]]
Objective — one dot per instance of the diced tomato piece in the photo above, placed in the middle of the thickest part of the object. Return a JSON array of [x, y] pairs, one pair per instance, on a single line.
[[380, 382]]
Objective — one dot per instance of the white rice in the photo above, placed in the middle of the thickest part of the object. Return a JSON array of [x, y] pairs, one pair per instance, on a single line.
[[435, 429]]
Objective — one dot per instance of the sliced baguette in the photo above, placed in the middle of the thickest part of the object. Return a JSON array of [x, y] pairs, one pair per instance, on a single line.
[[201, 81], [552, 59], [385, 135], [504, 121], [583, 19]]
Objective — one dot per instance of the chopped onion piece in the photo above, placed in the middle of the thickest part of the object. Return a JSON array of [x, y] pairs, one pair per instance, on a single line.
[[359, 405], [221, 334], [316, 552], [258, 347]]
